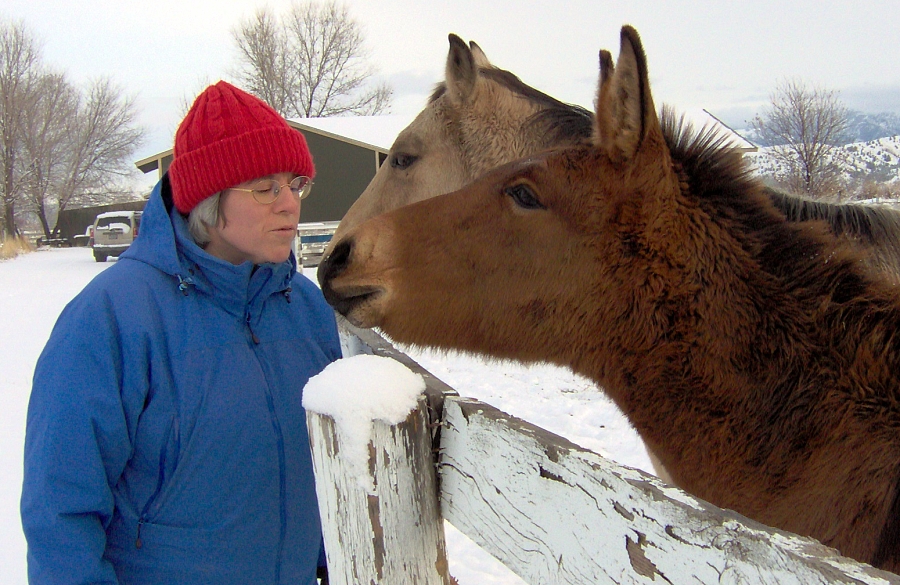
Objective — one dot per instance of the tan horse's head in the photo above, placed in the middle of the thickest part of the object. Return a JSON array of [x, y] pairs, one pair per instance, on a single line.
[[479, 118]]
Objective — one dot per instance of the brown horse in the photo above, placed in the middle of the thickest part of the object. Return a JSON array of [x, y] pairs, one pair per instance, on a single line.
[[756, 356]]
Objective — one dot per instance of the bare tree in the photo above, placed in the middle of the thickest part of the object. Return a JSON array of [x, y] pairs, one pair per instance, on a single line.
[[19, 75], [58, 145], [309, 63], [805, 124], [75, 146], [45, 143], [103, 136]]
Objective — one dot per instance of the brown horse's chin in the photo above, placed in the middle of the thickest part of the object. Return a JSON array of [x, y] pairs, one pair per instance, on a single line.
[[359, 304]]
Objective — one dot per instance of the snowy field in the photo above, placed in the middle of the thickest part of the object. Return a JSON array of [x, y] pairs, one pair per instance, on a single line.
[[35, 287]]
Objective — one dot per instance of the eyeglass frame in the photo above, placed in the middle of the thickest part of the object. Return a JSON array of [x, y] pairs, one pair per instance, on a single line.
[[256, 193]]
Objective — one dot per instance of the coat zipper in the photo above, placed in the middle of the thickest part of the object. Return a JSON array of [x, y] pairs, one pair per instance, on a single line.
[[250, 329], [282, 480]]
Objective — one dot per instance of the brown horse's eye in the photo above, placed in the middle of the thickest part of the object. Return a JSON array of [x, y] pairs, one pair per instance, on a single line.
[[402, 161], [524, 196]]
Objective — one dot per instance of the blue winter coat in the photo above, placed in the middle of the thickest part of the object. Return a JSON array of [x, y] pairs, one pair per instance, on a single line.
[[166, 441]]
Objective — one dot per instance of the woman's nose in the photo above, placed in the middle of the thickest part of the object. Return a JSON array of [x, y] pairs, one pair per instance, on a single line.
[[286, 201]]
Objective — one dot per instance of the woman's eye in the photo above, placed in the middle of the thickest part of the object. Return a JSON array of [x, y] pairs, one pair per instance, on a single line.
[[261, 188], [524, 196], [402, 160]]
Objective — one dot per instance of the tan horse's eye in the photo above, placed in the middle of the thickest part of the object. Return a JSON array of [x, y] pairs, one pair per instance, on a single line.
[[524, 196], [402, 161]]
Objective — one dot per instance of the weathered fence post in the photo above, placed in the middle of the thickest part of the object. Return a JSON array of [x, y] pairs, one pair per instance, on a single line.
[[392, 534]]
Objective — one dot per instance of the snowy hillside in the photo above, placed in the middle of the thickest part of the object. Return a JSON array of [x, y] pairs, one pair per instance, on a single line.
[[876, 160]]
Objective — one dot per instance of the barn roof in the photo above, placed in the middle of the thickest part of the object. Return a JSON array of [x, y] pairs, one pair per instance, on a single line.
[[701, 118], [375, 132]]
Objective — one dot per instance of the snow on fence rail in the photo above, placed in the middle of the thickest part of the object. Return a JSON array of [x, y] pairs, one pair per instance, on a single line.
[[550, 510]]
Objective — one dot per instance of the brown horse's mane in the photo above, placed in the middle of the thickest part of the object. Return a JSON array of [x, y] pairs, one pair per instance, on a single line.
[[721, 181], [808, 261], [561, 122]]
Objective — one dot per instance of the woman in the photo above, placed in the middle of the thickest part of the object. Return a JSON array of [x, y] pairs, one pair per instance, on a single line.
[[166, 441]]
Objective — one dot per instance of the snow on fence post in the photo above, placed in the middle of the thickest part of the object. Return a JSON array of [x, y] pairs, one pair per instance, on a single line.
[[386, 530]]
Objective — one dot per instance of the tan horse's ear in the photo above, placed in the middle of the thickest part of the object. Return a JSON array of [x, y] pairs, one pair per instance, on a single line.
[[481, 59], [625, 111], [462, 71]]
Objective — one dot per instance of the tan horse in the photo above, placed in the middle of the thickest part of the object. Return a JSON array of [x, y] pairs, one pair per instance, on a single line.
[[756, 356]]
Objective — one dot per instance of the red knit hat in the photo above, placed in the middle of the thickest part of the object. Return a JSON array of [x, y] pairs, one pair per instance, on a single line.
[[229, 137]]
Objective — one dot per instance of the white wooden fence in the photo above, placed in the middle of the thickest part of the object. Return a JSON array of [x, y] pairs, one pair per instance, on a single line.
[[549, 510]]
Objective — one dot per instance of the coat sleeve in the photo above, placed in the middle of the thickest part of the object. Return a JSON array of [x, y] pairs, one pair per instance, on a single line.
[[77, 444]]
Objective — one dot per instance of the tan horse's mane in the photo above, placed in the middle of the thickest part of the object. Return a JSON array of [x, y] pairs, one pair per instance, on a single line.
[[560, 121]]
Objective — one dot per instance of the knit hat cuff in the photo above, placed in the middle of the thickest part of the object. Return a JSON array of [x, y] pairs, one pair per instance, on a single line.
[[201, 173]]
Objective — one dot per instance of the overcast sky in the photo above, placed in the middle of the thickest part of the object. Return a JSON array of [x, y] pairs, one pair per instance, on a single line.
[[723, 56]]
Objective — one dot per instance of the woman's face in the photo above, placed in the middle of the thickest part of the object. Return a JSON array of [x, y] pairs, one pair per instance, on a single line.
[[251, 231]]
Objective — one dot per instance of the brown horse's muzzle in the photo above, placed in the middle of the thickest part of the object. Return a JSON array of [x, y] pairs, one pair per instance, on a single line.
[[347, 297]]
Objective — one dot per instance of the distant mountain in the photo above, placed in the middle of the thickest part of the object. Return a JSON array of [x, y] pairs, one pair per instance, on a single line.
[[867, 127], [861, 127]]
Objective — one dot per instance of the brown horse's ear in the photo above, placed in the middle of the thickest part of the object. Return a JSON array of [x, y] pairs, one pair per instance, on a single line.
[[461, 72], [602, 122], [481, 59], [625, 110]]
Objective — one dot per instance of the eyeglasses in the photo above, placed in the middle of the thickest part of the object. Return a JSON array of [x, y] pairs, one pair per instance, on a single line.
[[267, 191]]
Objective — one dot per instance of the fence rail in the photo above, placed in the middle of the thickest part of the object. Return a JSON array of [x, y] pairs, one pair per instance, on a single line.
[[550, 510]]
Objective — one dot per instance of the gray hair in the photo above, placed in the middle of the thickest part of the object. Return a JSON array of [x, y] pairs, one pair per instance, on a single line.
[[202, 217]]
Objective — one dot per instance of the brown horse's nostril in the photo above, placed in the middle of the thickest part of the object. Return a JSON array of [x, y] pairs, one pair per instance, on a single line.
[[335, 263], [346, 296]]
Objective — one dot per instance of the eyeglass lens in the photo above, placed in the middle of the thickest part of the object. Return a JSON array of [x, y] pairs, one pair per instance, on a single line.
[[299, 187]]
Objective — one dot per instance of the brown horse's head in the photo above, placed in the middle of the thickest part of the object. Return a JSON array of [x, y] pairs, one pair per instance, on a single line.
[[545, 236], [479, 118], [757, 356]]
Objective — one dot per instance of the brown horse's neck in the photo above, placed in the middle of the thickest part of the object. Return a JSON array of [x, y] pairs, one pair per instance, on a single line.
[[717, 354]]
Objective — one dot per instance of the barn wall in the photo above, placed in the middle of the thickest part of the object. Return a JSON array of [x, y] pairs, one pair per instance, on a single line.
[[343, 171]]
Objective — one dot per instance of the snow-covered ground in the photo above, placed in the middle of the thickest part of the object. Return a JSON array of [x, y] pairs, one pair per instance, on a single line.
[[35, 287]]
